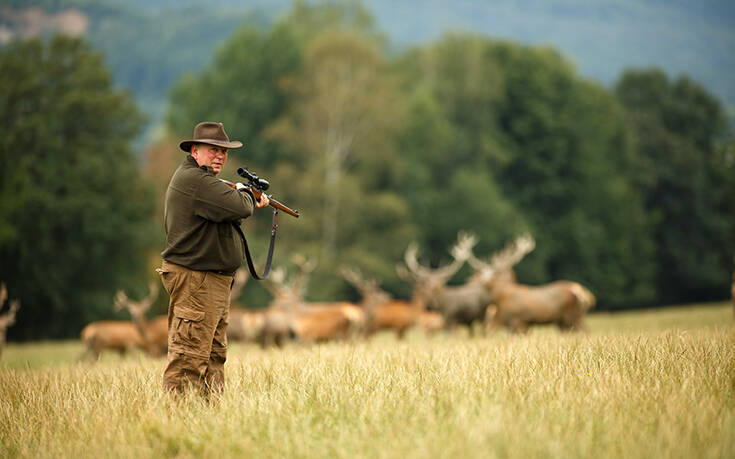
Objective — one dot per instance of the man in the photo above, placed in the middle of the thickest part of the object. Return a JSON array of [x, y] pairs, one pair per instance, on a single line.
[[204, 248]]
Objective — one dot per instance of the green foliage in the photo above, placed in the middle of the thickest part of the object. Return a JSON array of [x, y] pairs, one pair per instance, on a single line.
[[530, 147], [79, 219], [240, 89], [467, 133], [685, 179]]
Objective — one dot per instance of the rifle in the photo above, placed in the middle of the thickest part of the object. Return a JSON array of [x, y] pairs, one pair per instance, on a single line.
[[257, 186]]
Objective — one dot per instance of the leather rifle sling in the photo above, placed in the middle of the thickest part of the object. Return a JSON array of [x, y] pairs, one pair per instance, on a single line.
[[269, 259]]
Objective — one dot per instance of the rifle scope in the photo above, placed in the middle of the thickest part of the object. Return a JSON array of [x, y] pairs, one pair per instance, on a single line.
[[259, 183]]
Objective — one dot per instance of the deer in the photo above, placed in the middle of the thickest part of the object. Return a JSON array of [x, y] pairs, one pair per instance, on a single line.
[[155, 331], [400, 315], [7, 319], [518, 306], [456, 304], [376, 304], [121, 335], [309, 322]]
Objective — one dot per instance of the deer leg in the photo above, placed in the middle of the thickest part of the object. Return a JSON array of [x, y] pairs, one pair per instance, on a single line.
[[86, 353]]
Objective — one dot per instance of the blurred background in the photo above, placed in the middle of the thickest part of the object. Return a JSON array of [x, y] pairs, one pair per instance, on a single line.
[[603, 128]]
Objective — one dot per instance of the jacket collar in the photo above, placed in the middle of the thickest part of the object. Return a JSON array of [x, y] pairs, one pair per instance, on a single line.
[[190, 161]]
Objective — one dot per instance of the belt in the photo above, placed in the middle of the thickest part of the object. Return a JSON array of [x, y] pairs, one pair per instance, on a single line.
[[223, 273]]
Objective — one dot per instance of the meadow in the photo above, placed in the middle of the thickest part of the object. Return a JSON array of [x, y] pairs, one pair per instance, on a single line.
[[657, 383]]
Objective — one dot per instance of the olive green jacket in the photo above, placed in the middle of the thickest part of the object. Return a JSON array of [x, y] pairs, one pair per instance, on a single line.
[[199, 215]]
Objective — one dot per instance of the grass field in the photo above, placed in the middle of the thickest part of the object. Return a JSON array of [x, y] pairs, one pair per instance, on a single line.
[[638, 385]]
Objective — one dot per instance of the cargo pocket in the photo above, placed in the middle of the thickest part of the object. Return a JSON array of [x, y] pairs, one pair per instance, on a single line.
[[188, 327]]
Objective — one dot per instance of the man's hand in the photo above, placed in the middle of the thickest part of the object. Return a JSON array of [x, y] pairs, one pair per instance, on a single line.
[[260, 202], [263, 201]]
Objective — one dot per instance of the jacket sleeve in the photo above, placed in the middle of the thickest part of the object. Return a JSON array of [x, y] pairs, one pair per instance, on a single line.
[[217, 202]]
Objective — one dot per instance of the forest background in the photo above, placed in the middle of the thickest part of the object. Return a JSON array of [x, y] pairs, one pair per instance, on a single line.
[[381, 130]]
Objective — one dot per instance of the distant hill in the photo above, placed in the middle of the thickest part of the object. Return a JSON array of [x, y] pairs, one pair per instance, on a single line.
[[150, 43], [603, 37]]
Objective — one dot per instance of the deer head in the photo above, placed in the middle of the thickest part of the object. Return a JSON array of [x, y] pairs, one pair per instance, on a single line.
[[372, 294], [436, 278], [137, 308], [502, 261], [289, 292]]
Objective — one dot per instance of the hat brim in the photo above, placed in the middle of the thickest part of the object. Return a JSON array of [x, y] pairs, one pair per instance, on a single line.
[[186, 144]]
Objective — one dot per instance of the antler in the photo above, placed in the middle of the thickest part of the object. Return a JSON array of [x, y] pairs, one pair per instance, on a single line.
[[285, 294], [121, 300], [461, 251], [137, 308], [146, 302], [412, 263], [355, 277], [372, 294], [513, 252], [8, 319], [275, 283], [306, 266]]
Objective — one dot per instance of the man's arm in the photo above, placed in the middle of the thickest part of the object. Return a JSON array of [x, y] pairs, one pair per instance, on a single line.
[[218, 202]]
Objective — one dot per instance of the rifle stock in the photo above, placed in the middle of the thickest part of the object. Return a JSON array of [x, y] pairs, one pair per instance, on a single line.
[[273, 202]]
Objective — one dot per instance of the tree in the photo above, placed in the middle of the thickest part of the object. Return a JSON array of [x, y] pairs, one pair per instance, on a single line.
[[542, 151], [80, 216], [240, 89], [341, 106], [686, 181]]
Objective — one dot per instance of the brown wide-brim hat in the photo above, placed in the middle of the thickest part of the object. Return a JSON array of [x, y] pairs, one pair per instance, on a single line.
[[212, 134]]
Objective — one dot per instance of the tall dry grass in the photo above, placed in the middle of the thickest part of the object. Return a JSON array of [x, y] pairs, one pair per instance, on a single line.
[[653, 384]]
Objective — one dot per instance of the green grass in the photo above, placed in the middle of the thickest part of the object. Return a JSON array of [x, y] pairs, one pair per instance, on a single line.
[[644, 384]]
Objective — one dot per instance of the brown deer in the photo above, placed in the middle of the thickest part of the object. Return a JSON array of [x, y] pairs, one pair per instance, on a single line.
[[155, 331], [7, 319], [430, 285], [307, 321], [385, 313], [379, 305], [517, 306], [119, 335], [465, 304]]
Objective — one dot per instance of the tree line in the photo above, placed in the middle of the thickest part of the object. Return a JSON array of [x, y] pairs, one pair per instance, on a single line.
[[626, 190]]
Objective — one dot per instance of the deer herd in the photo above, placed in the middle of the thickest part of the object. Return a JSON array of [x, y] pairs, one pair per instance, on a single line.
[[490, 298]]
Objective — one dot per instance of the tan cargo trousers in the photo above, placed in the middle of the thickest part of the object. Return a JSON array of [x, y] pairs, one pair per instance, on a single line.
[[198, 313]]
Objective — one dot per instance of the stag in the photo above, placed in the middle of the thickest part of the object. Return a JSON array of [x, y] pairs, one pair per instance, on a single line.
[[155, 331], [125, 336], [382, 311], [7, 319], [458, 305], [308, 321], [386, 313], [517, 306]]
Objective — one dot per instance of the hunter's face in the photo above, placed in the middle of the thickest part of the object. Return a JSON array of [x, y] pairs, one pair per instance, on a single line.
[[209, 155]]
